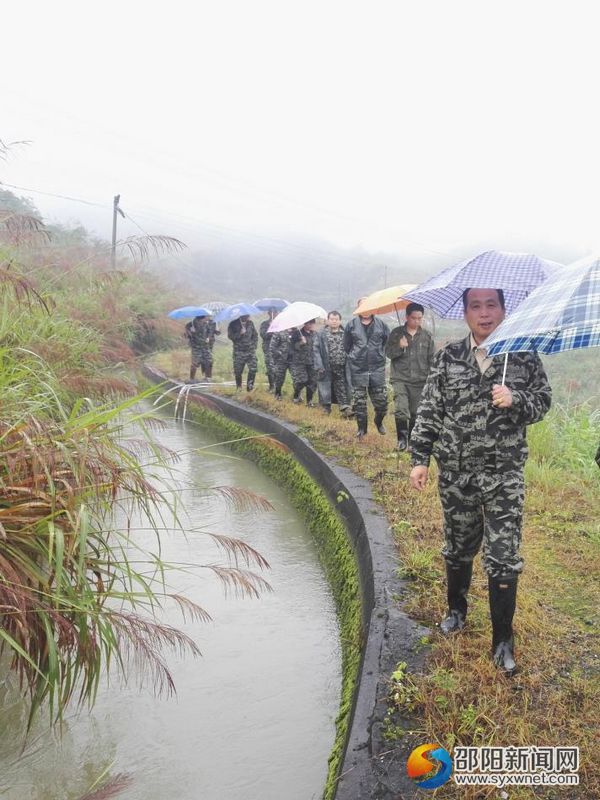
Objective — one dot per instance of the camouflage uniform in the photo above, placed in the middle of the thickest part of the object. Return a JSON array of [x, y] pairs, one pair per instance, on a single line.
[[480, 450], [365, 346], [302, 361], [330, 366], [244, 350], [266, 348], [213, 331], [198, 337], [279, 353], [408, 371]]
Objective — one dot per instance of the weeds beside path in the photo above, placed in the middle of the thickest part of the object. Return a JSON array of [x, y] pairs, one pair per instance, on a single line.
[[460, 698]]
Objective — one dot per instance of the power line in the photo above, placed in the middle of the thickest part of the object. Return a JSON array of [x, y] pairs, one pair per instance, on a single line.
[[52, 194]]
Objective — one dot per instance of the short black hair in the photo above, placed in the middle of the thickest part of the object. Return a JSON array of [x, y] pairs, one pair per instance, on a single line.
[[500, 298], [414, 307], [331, 313]]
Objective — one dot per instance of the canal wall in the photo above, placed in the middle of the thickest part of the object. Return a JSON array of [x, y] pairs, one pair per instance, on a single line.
[[358, 553]]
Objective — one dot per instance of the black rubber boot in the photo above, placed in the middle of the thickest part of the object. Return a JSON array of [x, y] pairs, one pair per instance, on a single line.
[[250, 383], [503, 600], [459, 581], [362, 423], [296, 398], [309, 397], [402, 434], [238, 380], [327, 408], [278, 395], [379, 423]]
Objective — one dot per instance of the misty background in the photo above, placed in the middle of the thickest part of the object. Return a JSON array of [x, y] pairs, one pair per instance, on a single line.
[[309, 150]]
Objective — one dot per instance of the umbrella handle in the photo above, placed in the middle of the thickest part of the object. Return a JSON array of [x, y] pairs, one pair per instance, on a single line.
[[505, 365]]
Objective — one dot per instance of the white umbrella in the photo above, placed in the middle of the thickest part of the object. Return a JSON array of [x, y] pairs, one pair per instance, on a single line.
[[295, 315]]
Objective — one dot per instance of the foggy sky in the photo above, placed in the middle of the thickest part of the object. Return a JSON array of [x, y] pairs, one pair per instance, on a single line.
[[427, 129]]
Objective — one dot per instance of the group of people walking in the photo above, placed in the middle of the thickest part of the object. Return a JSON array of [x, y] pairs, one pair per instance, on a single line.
[[345, 365], [465, 409]]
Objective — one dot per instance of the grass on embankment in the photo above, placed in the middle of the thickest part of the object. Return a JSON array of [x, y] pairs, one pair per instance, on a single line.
[[460, 698]]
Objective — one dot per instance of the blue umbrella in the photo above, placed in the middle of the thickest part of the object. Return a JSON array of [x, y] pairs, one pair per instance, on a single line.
[[561, 314], [189, 311], [517, 274], [235, 311], [268, 303]]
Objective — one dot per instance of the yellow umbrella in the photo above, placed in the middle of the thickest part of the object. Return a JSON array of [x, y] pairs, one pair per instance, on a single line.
[[386, 300]]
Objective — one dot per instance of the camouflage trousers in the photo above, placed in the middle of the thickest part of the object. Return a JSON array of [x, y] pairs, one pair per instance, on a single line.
[[241, 360], [339, 387], [484, 507], [269, 367], [406, 399], [202, 357], [379, 398], [280, 369], [304, 375]]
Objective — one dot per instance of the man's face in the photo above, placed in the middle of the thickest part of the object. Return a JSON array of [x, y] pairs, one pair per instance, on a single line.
[[414, 319], [244, 318], [334, 321], [310, 326], [483, 313]]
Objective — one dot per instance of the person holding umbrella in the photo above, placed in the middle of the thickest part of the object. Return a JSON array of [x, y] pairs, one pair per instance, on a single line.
[[365, 338], [279, 354], [198, 335], [266, 337], [302, 361], [410, 349], [243, 334], [474, 424]]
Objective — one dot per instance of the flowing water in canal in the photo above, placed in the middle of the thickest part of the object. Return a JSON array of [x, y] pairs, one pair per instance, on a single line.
[[253, 718]]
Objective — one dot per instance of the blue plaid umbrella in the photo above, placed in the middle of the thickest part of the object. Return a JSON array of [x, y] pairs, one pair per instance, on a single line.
[[517, 274], [561, 314], [235, 311], [268, 303], [189, 311]]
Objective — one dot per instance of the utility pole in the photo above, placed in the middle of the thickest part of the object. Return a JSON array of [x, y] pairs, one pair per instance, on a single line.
[[113, 252]]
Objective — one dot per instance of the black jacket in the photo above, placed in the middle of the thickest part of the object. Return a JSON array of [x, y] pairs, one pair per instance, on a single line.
[[365, 345]]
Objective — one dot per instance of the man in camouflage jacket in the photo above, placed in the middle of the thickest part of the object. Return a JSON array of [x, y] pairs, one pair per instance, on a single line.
[[475, 429], [198, 335], [302, 362], [279, 353], [331, 367], [266, 343], [245, 340]]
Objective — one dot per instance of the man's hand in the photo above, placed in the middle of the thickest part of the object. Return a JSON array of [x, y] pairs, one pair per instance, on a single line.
[[418, 477], [501, 396], [403, 342]]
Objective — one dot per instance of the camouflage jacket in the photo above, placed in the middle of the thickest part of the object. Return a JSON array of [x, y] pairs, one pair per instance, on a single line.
[[265, 335], [457, 422], [410, 364], [243, 342], [279, 348], [302, 347], [213, 331], [329, 349], [198, 336]]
